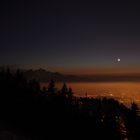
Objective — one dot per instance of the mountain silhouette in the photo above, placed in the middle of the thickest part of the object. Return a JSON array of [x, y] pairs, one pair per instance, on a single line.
[[43, 75]]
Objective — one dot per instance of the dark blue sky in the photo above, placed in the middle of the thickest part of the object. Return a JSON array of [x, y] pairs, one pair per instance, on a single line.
[[70, 34]]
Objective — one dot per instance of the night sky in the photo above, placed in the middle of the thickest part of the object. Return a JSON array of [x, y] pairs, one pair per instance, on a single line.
[[70, 35]]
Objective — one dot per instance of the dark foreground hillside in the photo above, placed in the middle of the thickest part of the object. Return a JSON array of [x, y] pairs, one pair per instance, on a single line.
[[28, 112]]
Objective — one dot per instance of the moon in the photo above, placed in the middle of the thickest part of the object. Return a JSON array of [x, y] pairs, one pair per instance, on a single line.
[[118, 59]]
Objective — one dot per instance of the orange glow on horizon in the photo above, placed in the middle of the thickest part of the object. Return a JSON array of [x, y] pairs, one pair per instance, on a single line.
[[98, 71]]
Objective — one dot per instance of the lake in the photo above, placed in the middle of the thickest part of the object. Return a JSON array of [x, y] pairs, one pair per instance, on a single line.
[[125, 92]]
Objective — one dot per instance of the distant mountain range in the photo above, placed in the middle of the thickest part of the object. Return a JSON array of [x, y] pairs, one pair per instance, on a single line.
[[45, 76]]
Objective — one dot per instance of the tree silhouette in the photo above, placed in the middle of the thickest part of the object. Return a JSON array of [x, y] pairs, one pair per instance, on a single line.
[[134, 109], [40, 112], [51, 88], [70, 93], [64, 90]]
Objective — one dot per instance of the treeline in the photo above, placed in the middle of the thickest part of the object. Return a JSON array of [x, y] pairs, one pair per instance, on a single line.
[[43, 113]]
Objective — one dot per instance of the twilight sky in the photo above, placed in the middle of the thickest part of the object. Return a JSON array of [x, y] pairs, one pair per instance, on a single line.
[[70, 35]]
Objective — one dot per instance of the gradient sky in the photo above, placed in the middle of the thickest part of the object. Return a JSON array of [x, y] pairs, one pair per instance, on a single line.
[[70, 35]]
